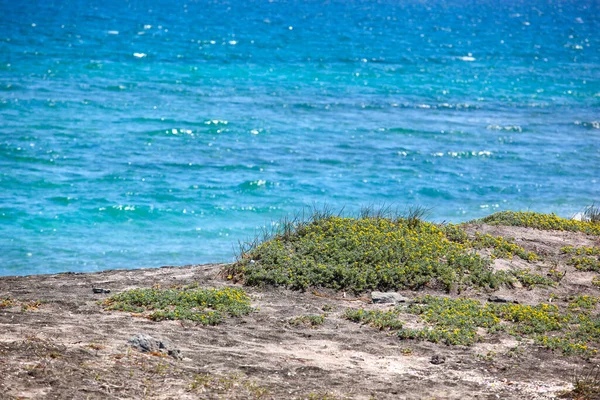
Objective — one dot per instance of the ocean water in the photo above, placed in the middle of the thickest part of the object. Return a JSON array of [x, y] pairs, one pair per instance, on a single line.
[[152, 132]]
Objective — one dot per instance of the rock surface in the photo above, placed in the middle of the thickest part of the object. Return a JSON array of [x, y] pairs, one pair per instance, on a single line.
[[388, 297]]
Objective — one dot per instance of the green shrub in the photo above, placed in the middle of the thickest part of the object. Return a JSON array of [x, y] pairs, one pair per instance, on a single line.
[[540, 221], [592, 213], [530, 280], [381, 320], [585, 258], [206, 306], [574, 330], [309, 320], [502, 248], [364, 254]]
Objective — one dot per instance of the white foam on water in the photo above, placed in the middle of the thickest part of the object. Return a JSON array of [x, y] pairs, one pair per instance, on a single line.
[[510, 128], [139, 55], [113, 32]]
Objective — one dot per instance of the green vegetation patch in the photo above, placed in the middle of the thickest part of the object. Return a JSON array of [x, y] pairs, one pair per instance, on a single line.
[[586, 385], [206, 306], [574, 329], [238, 383], [370, 253], [540, 221], [584, 258], [7, 302], [531, 280], [382, 320], [312, 320], [502, 248]]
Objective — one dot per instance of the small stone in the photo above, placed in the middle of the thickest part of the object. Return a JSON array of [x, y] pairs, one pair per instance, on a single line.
[[502, 299], [100, 290], [147, 344], [517, 285], [388, 297], [176, 354], [437, 359]]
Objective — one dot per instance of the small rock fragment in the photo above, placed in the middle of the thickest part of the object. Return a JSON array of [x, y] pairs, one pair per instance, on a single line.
[[437, 359], [147, 344], [502, 299], [388, 297]]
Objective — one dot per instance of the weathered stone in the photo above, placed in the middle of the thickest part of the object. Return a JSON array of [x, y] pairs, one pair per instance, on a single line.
[[388, 297], [147, 344], [437, 359], [502, 299]]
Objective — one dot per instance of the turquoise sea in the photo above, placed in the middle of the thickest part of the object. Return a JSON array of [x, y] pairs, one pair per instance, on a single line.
[[152, 132]]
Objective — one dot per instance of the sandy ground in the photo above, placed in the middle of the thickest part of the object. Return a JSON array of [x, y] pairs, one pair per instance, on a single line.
[[67, 346]]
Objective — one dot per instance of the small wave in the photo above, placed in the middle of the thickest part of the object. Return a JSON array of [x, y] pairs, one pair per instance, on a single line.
[[509, 128], [463, 154], [63, 200], [411, 131], [128, 211], [256, 184], [10, 87], [116, 88], [435, 193], [588, 125], [94, 65], [457, 106], [216, 122], [175, 131]]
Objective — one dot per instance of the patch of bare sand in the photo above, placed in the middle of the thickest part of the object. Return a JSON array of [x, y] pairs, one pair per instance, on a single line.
[[69, 347]]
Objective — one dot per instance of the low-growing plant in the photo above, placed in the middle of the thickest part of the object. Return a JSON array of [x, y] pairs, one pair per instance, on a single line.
[[328, 307], [406, 351], [503, 248], [382, 320], [369, 253], [320, 396], [489, 356], [574, 330], [7, 302], [308, 320], [453, 322], [585, 263], [592, 213], [556, 275], [586, 384], [31, 305], [582, 303], [530, 280], [224, 384], [581, 251], [540, 221], [206, 306]]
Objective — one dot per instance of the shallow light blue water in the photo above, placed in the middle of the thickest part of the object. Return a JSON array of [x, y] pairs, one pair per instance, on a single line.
[[148, 133]]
